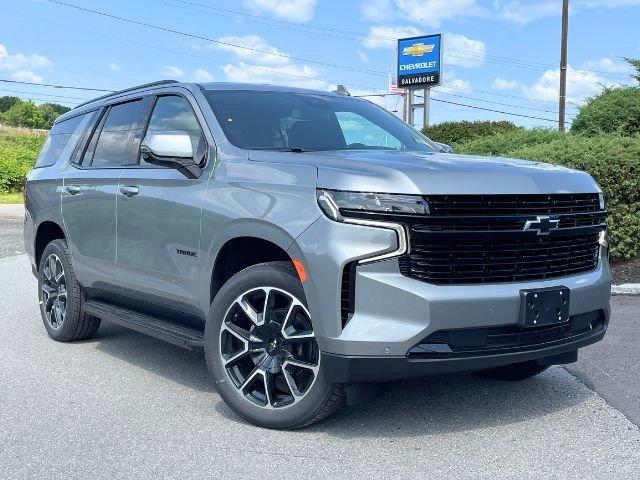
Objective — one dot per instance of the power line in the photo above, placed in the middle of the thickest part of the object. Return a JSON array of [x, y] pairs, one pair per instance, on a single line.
[[212, 40], [43, 94], [3, 80], [491, 110]]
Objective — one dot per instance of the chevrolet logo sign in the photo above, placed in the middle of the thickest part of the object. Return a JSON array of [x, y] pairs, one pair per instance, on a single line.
[[418, 49], [542, 225]]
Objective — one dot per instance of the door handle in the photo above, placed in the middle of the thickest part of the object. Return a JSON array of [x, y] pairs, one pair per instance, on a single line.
[[129, 190], [72, 189]]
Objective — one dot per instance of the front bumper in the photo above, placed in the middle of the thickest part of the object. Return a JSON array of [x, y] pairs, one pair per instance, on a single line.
[[366, 369], [394, 313]]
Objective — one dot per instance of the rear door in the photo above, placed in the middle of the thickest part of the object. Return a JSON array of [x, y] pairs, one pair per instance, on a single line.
[[159, 218], [90, 192]]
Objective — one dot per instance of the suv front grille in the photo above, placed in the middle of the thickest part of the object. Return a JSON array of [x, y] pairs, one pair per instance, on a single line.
[[468, 239]]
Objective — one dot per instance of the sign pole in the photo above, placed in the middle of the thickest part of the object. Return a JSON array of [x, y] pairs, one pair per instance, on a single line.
[[425, 109], [411, 110]]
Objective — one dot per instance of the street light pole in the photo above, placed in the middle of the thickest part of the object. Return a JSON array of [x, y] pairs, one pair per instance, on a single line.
[[563, 66]]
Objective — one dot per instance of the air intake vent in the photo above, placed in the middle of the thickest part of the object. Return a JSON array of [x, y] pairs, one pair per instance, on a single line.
[[348, 294]]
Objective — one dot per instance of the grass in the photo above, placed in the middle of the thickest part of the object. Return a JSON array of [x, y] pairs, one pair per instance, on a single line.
[[11, 198]]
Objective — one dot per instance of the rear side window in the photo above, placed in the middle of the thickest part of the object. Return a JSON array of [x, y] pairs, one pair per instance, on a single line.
[[111, 145], [62, 133]]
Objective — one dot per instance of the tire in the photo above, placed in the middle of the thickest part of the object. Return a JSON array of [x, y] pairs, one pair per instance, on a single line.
[[277, 361], [513, 372], [62, 310]]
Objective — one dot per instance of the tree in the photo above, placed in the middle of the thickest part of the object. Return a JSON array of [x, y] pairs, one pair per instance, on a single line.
[[51, 111], [24, 114], [7, 102], [635, 63], [615, 110]]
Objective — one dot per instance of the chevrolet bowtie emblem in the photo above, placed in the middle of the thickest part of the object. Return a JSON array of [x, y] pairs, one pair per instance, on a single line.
[[418, 49], [542, 225]]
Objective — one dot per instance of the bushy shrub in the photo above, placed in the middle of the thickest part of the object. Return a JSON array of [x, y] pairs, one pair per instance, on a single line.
[[612, 160], [615, 110], [454, 132], [17, 156]]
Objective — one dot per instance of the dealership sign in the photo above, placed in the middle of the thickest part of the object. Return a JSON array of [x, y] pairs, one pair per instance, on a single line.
[[419, 61]]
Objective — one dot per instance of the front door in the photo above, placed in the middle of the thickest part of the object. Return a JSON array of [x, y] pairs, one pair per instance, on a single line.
[[89, 198], [159, 220]]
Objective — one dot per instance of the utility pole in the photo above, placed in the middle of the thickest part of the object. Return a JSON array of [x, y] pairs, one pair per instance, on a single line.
[[563, 65]]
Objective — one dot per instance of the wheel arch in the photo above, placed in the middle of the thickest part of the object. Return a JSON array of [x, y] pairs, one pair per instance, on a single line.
[[257, 242], [47, 231]]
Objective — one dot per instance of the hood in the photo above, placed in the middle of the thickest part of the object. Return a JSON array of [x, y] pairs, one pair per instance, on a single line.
[[432, 173]]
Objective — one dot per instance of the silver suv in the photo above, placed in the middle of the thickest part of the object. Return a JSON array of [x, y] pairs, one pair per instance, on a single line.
[[309, 243]]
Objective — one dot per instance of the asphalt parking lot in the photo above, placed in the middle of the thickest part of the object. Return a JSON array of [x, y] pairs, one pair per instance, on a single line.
[[126, 405]]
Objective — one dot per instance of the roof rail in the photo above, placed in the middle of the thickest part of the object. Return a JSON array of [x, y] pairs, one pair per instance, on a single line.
[[130, 89]]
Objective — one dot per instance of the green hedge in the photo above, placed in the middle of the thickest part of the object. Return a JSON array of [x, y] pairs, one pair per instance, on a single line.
[[18, 152], [454, 132], [615, 110], [612, 160]]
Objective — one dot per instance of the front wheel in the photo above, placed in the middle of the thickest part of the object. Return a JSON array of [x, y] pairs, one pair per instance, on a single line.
[[261, 349]]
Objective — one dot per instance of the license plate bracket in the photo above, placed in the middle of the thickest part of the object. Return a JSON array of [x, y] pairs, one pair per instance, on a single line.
[[544, 306]]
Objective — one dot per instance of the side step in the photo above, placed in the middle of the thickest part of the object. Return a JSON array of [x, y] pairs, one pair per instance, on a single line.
[[172, 332]]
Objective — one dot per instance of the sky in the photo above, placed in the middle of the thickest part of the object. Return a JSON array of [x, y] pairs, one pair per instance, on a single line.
[[498, 54]]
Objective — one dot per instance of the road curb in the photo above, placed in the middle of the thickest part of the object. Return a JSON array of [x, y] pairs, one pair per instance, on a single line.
[[626, 289]]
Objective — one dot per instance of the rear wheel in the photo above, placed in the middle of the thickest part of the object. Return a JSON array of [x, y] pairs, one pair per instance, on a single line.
[[261, 349], [61, 296], [513, 372]]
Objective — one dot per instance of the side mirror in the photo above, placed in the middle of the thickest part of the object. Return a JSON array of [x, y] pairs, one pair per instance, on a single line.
[[444, 148], [171, 149]]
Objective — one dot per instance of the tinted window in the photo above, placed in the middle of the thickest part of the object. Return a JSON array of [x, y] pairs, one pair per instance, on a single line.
[[307, 121], [62, 133], [114, 145], [173, 113]]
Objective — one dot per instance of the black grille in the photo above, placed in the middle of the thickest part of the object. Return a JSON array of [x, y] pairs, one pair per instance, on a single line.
[[513, 204], [469, 239], [506, 338]]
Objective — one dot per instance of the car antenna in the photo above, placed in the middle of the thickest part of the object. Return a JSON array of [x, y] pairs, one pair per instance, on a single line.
[[341, 90]]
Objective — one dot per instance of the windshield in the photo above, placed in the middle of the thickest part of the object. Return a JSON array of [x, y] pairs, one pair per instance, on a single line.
[[302, 122]]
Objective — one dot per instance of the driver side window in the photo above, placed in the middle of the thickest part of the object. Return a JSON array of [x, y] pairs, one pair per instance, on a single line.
[[360, 132], [173, 113]]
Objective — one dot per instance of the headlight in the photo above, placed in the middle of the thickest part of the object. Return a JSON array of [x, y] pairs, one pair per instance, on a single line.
[[334, 202], [601, 199]]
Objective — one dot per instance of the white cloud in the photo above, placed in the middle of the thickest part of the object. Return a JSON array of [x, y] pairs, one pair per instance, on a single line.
[[609, 65], [298, 11], [202, 75], [385, 36], [431, 13], [273, 55], [26, 76], [504, 84], [463, 51], [21, 67], [434, 12], [292, 75], [171, 71], [376, 10], [581, 84], [455, 85], [523, 12], [113, 66]]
